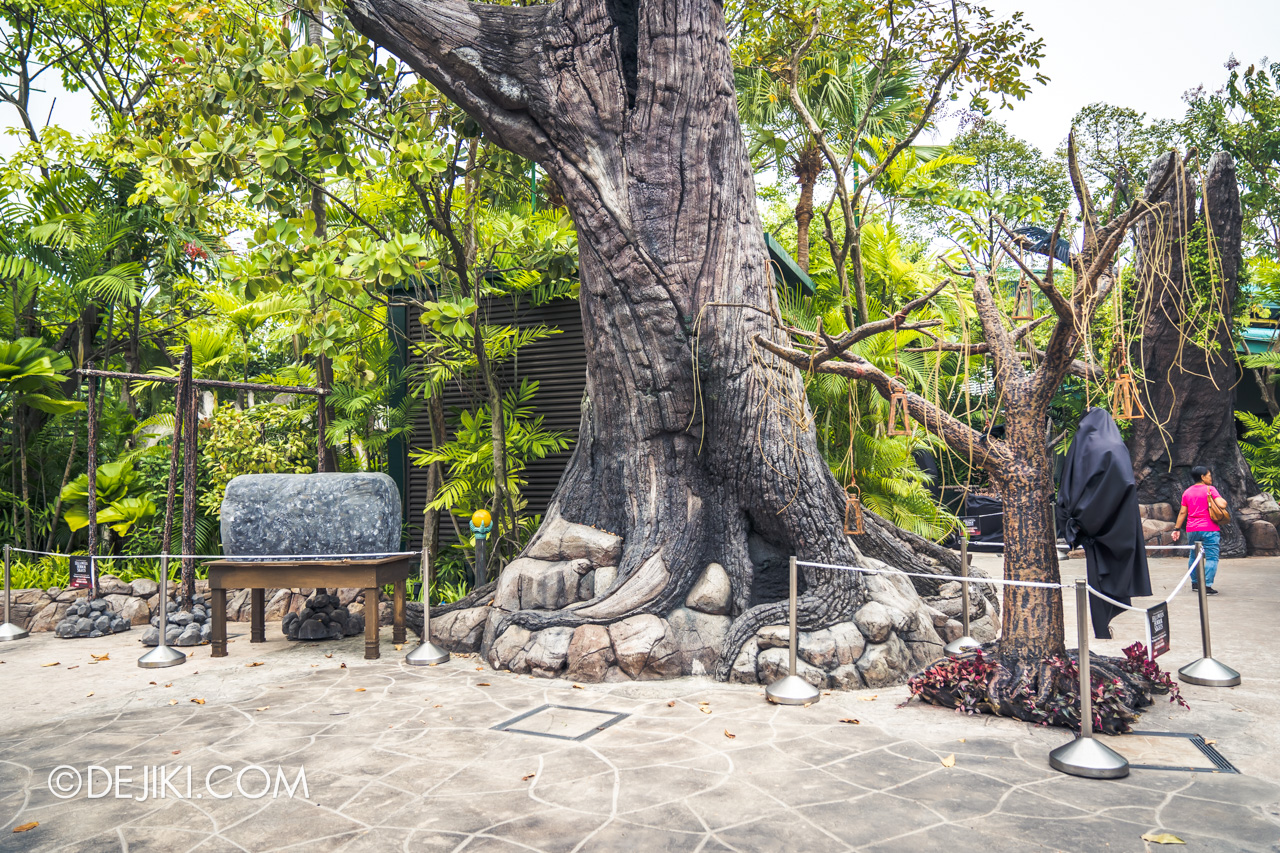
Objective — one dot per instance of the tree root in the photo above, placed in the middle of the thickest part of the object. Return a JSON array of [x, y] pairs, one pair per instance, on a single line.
[[1046, 692]]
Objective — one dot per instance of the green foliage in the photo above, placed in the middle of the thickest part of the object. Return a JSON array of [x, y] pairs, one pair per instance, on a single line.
[[121, 502], [468, 456], [266, 439], [31, 374], [1261, 445]]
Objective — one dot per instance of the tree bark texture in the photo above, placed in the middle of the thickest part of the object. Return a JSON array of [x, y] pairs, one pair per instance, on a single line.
[[1188, 393], [697, 460]]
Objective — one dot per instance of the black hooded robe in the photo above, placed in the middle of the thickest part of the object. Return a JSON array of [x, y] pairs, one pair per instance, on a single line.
[[1097, 508]]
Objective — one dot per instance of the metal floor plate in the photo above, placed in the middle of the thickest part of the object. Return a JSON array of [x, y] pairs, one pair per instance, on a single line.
[[1177, 751], [563, 722]]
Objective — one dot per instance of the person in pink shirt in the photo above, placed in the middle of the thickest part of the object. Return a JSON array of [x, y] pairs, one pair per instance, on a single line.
[[1200, 524]]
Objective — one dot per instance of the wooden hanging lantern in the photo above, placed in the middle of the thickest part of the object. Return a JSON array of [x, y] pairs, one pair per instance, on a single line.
[[1024, 307], [853, 514], [1125, 405], [899, 420]]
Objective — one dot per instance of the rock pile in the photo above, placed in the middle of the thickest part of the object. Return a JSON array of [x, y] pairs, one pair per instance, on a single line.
[[322, 618], [191, 627], [87, 618]]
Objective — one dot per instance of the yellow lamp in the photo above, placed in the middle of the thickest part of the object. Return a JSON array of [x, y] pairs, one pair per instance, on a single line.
[[481, 518]]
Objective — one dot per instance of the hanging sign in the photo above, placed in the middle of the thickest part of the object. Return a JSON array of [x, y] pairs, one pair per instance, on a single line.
[[970, 524], [81, 572], [1158, 629]]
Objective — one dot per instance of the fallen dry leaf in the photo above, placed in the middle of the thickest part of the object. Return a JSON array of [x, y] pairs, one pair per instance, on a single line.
[[479, 669], [172, 701], [153, 684], [101, 657], [359, 689], [578, 687], [483, 684], [55, 663], [851, 721], [871, 698], [170, 684], [329, 655], [342, 666], [1210, 742], [962, 740], [77, 666], [399, 646], [256, 663], [704, 709], [671, 704], [1162, 838], [314, 665], [527, 778], [87, 695], [949, 761], [438, 706], [176, 751], [26, 826], [198, 701], [263, 708], [729, 734]]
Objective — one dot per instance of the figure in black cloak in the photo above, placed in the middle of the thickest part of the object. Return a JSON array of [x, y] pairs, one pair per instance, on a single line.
[[1097, 509]]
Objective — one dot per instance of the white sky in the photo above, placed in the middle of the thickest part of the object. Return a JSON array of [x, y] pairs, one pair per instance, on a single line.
[[1151, 51], [1141, 54]]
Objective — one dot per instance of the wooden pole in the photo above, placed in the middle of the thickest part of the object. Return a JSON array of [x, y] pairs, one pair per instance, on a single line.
[[191, 428], [322, 449]]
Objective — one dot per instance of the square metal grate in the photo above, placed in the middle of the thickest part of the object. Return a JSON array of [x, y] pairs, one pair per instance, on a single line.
[[1163, 751], [562, 722]]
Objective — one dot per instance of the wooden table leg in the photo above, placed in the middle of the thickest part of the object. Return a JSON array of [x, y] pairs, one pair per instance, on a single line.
[[371, 624], [397, 613], [219, 633], [257, 615]]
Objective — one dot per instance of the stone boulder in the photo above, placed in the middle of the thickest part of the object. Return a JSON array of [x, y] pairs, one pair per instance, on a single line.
[[279, 514], [1153, 528], [547, 653], [885, 664], [1263, 539], [644, 647], [1158, 511], [112, 585], [773, 664], [874, 621], [590, 653], [458, 630], [711, 592], [700, 637], [559, 540]]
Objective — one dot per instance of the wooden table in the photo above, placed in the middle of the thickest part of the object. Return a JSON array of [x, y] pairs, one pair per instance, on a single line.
[[259, 575]]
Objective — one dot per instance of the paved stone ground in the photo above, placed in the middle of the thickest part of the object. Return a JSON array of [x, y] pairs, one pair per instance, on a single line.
[[402, 758]]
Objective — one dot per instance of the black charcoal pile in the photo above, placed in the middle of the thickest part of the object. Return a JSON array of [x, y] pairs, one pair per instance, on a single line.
[[322, 618], [90, 619], [192, 627]]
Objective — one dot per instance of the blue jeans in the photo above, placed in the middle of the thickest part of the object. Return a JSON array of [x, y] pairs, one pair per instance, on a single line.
[[1210, 539]]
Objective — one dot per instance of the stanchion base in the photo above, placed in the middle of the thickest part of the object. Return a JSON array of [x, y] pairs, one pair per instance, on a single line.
[[10, 631], [161, 656], [427, 654], [1209, 673], [961, 647], [792, 690], [1086, 757]]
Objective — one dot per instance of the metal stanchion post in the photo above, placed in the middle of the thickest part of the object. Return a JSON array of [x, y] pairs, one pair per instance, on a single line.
[[964, 644], [792, 689], [1206, 671], [9, 631], [162, 655], [427, 653], [1085, 756]]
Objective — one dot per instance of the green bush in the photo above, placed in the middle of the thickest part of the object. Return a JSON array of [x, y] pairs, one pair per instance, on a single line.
[[266, 439]]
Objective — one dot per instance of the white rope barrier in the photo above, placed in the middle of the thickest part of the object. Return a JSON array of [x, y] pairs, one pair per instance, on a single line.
[[1177, 589], [242, 558]]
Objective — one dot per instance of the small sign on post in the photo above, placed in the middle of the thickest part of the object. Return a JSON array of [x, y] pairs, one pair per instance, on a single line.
[[81, 572], [970, 524], [1158, 629]]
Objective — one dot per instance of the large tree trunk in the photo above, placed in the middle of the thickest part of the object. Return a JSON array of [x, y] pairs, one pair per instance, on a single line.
[[696, 447], [1188, 392]]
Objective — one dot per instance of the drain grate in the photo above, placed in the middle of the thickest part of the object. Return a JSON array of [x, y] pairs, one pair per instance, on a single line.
[[562, 722], [1216, 761]]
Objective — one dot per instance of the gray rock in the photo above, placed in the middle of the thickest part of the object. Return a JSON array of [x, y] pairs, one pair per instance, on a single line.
[[83, 626], [206, 632], [849, 641], [773, 637], [560, 540], [112, 585], [874, 621], [181, 618], [95, 634], [700, 637], [643, 645], [268, 514], [65, 630], [847, 677], [144, 587], [711, 592], [507, 651], [773, 664], [98, 605], [818, 648], [590, 653], [550, 648], [290, 621], [744, 666], [189, 637], [883, 664], [548, 586], [151, 637], [103, 624], [311, 629], [605, 577], [171, 636]]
